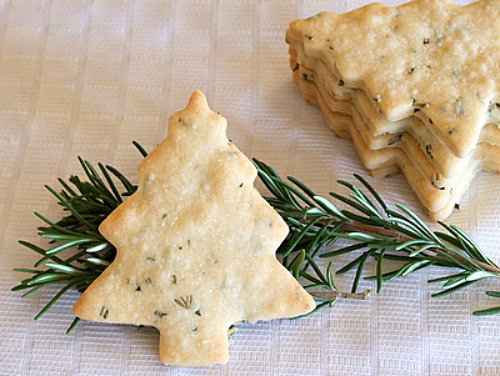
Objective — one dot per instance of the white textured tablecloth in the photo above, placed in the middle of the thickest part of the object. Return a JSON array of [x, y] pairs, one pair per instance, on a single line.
[[88, 77]]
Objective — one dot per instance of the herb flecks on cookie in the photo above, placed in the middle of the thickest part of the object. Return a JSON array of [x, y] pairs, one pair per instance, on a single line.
[[431, 51], [414, 86], [195, 246]]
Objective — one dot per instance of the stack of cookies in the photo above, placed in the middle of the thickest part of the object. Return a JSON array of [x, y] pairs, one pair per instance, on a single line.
[[416, 87]]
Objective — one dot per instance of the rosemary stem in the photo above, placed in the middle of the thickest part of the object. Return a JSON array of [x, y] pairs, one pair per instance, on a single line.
[[361, 227], [342, 295], [483, 265]]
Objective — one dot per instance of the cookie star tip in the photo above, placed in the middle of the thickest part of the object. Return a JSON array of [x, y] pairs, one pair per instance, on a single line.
[[198, 101]]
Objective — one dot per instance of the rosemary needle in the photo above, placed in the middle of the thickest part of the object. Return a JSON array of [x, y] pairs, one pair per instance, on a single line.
[[77, 253]]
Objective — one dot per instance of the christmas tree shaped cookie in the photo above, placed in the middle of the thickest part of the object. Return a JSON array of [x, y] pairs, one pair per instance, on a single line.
[[416, 87], [195, 246]]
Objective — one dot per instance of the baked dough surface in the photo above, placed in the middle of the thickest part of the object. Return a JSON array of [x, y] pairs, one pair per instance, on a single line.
[[195, 246], [431, 52]]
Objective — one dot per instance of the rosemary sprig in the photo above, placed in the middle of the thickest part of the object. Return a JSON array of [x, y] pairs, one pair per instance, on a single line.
[[86, 252], [384, 234], [315, 224]]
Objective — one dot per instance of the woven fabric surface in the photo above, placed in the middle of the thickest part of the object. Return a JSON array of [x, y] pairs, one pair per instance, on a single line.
[[88, 77]]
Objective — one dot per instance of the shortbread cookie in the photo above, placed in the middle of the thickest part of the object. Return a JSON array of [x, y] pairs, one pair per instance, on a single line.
[[379, 125], [195, 246], [441, 161], [398, 55], [438, 200]]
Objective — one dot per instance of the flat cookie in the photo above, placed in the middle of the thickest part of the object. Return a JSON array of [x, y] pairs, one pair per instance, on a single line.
[[396, 54], [195, 246], [427, 153], [438, 203], [379, 125]]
